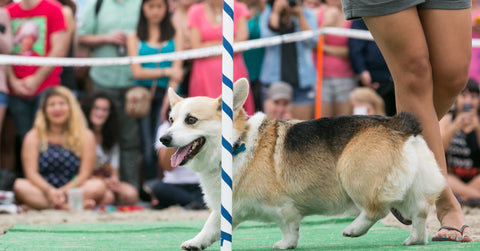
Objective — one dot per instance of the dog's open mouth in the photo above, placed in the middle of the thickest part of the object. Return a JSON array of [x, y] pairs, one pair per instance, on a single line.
[[186, 153]]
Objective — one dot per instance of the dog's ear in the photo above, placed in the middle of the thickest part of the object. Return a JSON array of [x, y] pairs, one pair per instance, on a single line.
[[173, 97], [240, 93]]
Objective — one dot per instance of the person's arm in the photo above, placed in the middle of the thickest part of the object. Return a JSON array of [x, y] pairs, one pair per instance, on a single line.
[[30, 155], [356, 49], [87, 162], [70, 22], [58, 48], [138, 72], [476, 123], [6, 39], [241, 33], [302, 20], [448, 128], [95, 40], [275, 18]]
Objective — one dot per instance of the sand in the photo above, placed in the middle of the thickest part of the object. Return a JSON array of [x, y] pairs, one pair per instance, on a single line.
[[7, 221]]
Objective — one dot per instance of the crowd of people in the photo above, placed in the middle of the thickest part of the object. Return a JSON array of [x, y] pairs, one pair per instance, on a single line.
[[72, 129]]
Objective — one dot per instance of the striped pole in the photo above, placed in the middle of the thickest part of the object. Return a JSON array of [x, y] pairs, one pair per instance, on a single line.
[[227, 126]]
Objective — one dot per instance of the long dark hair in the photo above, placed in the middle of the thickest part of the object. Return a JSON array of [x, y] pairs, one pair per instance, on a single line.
[[167, 31], [110, 130]]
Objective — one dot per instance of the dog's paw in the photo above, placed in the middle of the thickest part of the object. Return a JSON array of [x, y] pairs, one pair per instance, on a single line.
[[192, 246], [352, 231], [284, 245], [413, 240]]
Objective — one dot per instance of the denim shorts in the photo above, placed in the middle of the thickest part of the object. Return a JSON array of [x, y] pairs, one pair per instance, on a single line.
[[3, 99], [370, 8]]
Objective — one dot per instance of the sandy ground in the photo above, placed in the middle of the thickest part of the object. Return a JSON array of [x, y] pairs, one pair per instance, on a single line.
[[176, 213]]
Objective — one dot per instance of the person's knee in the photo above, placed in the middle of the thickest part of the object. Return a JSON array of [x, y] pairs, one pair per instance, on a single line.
[[129, 195], [452, 82], [417, 73], [20, 186], [94, 189]]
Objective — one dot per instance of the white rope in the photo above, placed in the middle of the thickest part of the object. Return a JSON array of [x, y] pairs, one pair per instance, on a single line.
[[182, 55], [191, 54]]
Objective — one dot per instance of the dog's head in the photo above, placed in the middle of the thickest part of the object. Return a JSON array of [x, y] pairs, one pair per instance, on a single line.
[[196, 124]]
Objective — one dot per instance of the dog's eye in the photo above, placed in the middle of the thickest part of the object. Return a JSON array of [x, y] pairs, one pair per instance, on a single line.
[[170, 119], [190, 120]]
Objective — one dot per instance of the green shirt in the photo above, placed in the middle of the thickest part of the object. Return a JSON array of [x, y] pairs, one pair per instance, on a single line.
[[114, 15]]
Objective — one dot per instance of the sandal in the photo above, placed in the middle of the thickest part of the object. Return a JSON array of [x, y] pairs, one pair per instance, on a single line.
[[445, 238]]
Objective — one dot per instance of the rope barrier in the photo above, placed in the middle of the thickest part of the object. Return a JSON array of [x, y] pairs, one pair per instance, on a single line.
[[183, 55]]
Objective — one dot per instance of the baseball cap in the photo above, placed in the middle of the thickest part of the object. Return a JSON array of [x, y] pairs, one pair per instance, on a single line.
[[280, 90]]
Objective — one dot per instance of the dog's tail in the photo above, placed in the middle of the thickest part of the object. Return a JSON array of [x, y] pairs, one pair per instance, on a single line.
[[406, 123]]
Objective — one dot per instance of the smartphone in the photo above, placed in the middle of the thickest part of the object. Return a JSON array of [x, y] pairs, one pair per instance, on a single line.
[[467, 107]]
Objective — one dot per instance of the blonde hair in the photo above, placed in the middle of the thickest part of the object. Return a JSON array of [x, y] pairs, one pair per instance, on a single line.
[[75, 127], [368, 95]]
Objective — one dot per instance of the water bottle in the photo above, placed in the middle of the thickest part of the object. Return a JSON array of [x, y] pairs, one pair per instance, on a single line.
[[6, 197]]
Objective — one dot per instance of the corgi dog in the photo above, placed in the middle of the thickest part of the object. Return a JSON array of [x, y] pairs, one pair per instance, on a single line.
[[360, 166]]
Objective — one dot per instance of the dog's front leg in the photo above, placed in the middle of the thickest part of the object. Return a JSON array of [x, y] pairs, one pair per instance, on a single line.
[[210, 233]]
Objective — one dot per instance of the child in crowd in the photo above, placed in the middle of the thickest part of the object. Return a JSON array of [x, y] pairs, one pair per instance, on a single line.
[[460, 130], [102, 120], [365, 101]]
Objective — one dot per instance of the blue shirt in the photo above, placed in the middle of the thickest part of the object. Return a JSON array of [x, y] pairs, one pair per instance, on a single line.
[[146, 49], [271, 62]]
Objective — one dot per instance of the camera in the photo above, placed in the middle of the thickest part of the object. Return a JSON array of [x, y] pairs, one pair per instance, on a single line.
[[467, 107], [292, 3]]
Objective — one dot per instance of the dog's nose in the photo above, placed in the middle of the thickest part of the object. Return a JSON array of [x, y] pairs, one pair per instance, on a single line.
[[166, 140]]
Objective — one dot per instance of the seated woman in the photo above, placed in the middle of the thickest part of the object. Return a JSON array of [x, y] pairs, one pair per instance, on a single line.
[[102, 120], [460, 130], [58, 153]]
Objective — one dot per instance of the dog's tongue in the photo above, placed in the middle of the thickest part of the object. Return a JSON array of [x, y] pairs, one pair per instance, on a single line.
[[179, 155]]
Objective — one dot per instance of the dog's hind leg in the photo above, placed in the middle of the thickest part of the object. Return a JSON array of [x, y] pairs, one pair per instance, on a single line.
[[289, 224], [417, 207], [210, 233], [418, 235], [362, 224]]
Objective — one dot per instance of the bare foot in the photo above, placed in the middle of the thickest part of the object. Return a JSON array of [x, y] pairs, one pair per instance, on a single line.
[[89, 204]]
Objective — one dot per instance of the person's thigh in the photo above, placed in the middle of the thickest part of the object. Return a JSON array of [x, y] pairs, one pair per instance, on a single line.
[[449, 38], [400, 38], [403, 44]]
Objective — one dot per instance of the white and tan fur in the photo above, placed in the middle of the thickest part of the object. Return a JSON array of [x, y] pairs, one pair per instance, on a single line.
[[352, 165]]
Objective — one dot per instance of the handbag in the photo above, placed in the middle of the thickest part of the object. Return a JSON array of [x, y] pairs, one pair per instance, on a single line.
[[138, 101]]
